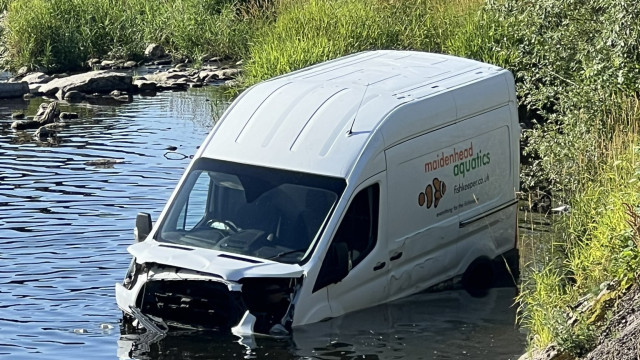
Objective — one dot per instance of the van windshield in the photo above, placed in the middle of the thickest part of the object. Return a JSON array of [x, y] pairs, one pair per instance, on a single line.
[[250, 210]]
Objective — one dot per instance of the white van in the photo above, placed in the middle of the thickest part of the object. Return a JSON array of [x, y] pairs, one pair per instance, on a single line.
[[331, 189]]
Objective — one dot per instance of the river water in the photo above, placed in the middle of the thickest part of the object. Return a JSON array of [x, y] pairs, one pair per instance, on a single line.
[[65, 224]]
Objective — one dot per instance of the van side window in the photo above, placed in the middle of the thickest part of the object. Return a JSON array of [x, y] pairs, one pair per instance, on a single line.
[[355, 238]]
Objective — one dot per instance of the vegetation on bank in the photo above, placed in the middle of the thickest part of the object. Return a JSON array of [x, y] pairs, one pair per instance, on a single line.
[[577, 65], [62, 35]]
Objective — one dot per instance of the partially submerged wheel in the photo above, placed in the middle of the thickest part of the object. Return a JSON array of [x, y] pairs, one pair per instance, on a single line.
[[478, 277]]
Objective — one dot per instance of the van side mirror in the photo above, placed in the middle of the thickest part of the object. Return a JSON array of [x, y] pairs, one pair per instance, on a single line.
[[335, 266], [143, 226]]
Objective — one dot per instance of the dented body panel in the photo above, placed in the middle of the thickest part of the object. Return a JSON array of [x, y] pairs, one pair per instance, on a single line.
[[331, 189]]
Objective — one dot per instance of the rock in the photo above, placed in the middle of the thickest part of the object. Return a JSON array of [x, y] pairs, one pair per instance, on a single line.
[[145, 86], [23, 124], [100, 81], [47, 113], [37, 78], [240, 63], [180, 67], [116, 93], [35, 88], [18, 115], [228, 74], [22, 71], [551, 352], [154, 51], [123, 98], [104, 162], [232, 83], [74, 96], [93, 63], [129, 64], [13, 90], [107, 64], [43, 132], [162, 62], [27, 96], [68, 115], [206, 75]]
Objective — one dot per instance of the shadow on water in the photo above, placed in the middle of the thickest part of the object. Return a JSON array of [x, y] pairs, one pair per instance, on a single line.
[[66, 221]]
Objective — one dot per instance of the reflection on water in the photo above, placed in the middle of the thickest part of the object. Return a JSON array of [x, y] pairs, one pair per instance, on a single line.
[[445, 325], [65, 225]]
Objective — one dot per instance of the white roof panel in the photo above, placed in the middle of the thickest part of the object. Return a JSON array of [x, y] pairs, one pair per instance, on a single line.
[[319, 119]]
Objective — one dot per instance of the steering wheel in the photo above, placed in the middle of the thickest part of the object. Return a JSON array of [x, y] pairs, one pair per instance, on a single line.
[[225, 225]]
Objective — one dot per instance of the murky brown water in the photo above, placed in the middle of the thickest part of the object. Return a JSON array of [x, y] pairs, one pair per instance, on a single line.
[[65, 225]]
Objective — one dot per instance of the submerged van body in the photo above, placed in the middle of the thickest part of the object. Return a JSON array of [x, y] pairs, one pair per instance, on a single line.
[[331, 189]]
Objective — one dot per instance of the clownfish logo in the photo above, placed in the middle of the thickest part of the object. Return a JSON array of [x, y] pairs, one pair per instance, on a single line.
[[432, 193]]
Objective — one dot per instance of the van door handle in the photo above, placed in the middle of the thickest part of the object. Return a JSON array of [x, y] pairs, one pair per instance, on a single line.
[[379, 266], [396, 256]]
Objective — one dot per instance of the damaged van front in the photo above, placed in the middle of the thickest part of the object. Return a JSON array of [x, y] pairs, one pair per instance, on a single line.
[[228, 250]]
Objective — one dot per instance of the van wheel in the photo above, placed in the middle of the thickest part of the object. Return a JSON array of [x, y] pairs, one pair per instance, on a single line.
[[478, 277]]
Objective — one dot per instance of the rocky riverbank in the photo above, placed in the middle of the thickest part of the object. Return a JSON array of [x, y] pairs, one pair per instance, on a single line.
[[121, 79]]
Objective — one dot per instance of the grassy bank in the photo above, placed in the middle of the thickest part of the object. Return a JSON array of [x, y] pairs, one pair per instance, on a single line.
[[62, 35], [273, 36], [306, 32], [577, 69]]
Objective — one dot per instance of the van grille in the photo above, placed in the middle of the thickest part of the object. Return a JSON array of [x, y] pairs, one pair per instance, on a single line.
[[192, 303]]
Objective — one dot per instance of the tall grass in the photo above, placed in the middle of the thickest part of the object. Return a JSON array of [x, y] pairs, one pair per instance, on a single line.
[[594, 242], [62, 34], [311, 31]]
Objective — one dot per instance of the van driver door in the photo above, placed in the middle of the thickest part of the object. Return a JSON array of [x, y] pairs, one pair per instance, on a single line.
[[365, 283]]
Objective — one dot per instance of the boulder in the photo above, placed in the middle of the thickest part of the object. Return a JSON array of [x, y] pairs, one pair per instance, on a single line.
[[154, 51], [13, 90], [93, 63], [74, 96], [23, 71], [129, 64], [68, 115], [37, 78], [35, 88], [43, 132], [18, 115], [145, 86], [108, 64], [100, 81], [47, 113]]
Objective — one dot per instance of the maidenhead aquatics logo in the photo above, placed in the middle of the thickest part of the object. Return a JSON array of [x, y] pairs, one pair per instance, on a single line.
[[432, 194]]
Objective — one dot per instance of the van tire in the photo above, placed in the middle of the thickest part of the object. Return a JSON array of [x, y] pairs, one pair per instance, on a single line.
[[478, 277]]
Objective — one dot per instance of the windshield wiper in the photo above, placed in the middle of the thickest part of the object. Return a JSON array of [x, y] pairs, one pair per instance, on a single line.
[[284, 253]]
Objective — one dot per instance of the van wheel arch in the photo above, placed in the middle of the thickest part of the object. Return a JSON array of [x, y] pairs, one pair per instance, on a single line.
[[479, 276]]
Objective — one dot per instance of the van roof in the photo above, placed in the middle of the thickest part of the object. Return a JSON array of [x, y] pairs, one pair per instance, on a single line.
[[319, 119]]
